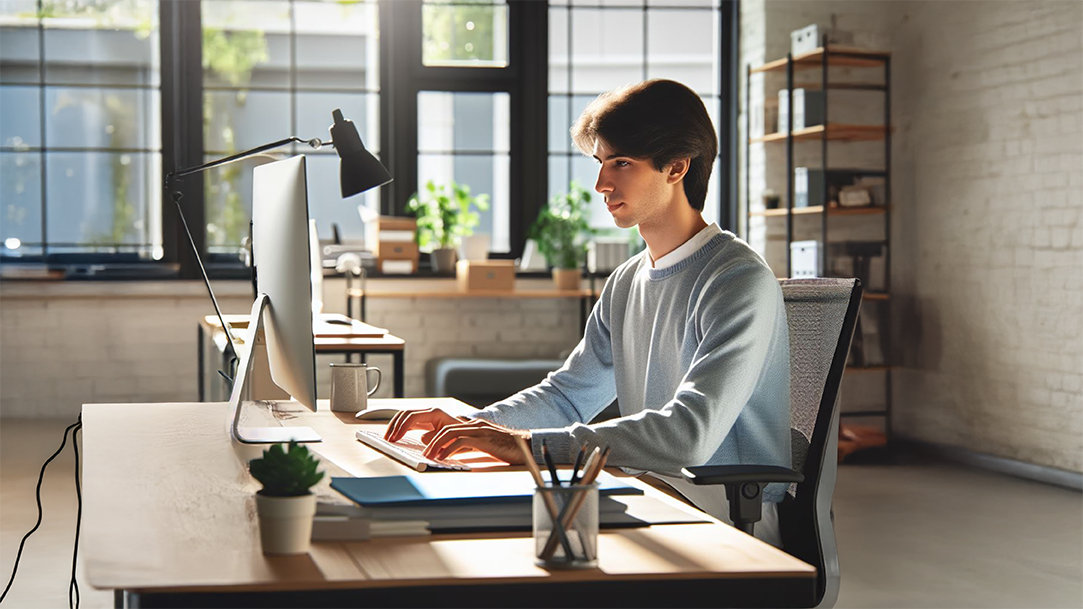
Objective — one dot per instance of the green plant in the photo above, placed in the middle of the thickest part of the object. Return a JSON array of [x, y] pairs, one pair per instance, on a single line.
[[444, 213], [286, 473], [561, 226]]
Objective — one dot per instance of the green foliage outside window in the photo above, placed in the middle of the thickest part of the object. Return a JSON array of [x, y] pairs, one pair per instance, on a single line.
[[461, 33], [232, 56]]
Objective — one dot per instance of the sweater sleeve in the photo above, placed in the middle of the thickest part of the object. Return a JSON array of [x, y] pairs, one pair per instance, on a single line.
[[575, 393], [735, 319]]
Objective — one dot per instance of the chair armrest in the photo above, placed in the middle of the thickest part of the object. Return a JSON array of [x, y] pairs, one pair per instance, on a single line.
[[744, 487], [723, 474]]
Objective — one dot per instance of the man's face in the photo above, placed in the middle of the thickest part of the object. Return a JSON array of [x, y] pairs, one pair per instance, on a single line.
[[636, 194]]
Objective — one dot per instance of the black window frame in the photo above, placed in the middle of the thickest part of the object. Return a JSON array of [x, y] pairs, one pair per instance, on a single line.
[[402, 76], [525, 79]]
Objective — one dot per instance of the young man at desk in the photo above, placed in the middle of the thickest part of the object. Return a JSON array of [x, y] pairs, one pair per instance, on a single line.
[[690, 335]]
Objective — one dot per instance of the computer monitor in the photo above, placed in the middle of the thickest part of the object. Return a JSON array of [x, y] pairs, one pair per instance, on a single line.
[[282, 312]]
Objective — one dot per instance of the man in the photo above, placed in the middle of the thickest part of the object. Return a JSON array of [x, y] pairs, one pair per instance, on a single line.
[[689, 335]]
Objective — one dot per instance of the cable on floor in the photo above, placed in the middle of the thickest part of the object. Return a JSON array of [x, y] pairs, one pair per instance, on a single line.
[[73, 586]]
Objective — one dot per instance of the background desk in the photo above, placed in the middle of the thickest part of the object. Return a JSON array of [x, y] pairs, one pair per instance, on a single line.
[[169, 517], [448, 289], [388, 343]]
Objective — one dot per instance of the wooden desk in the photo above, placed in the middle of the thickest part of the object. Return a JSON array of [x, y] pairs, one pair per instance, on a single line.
[[348, 345], [169, 518]]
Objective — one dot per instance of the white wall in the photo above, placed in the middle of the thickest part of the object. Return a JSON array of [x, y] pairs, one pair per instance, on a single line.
[[989, 265], [65, 344], [987, 228]]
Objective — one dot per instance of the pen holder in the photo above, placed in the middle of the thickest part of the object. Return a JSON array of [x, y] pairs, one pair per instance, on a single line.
[[566, 526]]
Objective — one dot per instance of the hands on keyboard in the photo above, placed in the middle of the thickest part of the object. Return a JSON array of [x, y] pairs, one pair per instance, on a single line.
[[409, 451]]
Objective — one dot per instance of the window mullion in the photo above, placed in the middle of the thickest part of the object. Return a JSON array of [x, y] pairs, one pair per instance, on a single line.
[[182, 128]]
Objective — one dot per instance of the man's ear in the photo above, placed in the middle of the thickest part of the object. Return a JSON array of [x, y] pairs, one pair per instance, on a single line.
[[676, 170]]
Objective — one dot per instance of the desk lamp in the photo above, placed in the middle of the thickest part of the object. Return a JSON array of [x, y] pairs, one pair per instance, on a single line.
[[359, 171]]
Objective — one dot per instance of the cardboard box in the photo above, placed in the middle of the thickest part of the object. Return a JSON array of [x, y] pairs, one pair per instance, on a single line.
[[398, 267], [495, 275], [392, 240], [396, 250]]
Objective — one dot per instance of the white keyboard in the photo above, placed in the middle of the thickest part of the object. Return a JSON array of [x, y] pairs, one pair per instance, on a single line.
[[408, 451]]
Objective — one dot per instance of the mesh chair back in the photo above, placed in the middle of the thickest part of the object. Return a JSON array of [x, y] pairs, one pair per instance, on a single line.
[[821, 315], [815, 312]]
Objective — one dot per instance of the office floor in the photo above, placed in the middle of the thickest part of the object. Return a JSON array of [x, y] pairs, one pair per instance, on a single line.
[[917, 534]]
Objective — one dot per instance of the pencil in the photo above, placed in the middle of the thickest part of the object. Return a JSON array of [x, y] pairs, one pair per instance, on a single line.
[[578, 462], [549, 464]]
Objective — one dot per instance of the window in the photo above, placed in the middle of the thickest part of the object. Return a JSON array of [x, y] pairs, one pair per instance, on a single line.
[[99, 96], [461, 102], [596, 46], [80, 143], [276, 68]]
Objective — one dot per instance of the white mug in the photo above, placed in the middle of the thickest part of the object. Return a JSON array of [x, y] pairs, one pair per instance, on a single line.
[[350, 389]]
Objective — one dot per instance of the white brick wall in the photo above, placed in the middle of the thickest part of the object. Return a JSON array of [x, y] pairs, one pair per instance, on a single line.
[[987, 226], [65, 344]]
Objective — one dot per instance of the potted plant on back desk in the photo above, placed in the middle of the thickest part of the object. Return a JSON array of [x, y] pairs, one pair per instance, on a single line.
[[285, 505], [560, 230], [444, 215]]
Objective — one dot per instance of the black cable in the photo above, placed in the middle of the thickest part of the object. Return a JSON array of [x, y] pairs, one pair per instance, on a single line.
[[74, 585], [37, 495]]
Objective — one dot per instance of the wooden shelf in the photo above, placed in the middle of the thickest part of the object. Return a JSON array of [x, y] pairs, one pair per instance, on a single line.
[[833, 131], [818, 209], [875, 296], [836, 56], [849, 86]]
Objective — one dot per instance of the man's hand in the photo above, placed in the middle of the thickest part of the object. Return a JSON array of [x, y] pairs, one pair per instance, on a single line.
[[431, 419], [477, 434]]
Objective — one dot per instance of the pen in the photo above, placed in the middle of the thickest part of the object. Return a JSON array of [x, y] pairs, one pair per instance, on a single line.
[[549, 464], [578, 462]]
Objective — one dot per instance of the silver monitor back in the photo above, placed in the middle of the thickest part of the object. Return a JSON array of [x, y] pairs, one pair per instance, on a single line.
[[280, 248]]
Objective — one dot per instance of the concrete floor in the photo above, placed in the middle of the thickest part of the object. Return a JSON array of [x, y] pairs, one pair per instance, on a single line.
[[917, 534]]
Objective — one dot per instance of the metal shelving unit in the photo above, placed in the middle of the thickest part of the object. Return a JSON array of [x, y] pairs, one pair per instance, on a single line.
[[834, 130]]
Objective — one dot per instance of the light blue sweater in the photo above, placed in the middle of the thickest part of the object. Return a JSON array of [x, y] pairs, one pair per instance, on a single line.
[[697, 355]]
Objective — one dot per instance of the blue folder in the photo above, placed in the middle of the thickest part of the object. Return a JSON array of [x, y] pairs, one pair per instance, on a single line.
[[457, 488]]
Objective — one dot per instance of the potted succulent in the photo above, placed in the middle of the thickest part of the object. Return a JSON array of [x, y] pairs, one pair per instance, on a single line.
[[560, 229], [445, 213], [285, 505]]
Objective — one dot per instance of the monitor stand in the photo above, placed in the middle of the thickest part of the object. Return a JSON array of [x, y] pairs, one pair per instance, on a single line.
[[241, 390]]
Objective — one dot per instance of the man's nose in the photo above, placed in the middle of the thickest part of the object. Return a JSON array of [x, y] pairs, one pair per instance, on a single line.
[[603, 185]]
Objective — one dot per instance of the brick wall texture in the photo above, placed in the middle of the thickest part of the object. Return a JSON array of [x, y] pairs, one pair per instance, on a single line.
[[987, 221], [62, 345]]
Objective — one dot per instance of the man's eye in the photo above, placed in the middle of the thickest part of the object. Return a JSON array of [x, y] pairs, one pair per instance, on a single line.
[[622, 163]]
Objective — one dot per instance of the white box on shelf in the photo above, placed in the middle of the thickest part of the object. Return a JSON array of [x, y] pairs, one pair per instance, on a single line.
[[805, 40], [805, 259]]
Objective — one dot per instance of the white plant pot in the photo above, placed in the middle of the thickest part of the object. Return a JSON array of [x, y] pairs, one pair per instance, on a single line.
[[285, 523]]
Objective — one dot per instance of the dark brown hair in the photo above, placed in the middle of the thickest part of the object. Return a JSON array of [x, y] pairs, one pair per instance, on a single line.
[[660, 120]]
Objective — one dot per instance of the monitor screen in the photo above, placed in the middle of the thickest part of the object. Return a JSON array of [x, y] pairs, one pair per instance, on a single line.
[[280, 249]]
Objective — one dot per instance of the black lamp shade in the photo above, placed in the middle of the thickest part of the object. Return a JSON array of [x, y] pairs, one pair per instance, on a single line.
[[358, 169]]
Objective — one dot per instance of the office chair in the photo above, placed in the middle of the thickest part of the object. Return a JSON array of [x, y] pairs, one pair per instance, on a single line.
[[821, 315]]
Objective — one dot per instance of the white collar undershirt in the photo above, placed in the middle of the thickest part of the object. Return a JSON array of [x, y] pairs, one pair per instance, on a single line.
[[689, 247]]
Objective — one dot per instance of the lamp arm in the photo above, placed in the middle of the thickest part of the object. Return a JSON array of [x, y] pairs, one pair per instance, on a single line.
[[314, 142]]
